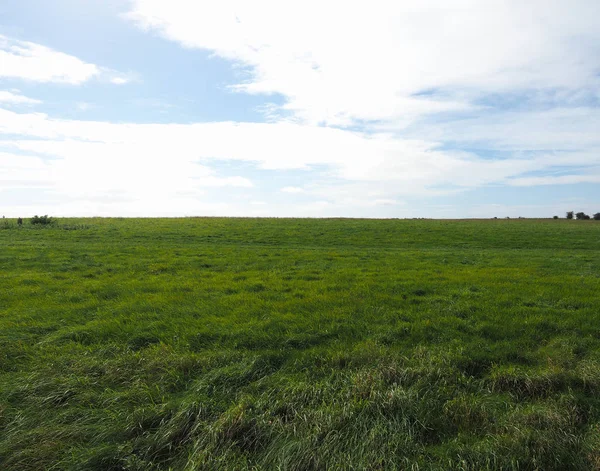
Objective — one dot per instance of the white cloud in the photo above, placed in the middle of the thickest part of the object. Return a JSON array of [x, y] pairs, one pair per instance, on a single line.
[[292, 189], [219, 182], [84, 106], [119, 80], [30, 61], [557, 180], [340, 62], [99, 167], [15, 98], [35, 62], [386, 202], [22, 171]]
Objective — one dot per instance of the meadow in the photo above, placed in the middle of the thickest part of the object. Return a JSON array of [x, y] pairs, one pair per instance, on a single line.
[[299, 344]]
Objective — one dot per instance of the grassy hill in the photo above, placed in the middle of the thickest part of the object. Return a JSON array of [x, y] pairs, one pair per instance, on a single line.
[[296, 344]]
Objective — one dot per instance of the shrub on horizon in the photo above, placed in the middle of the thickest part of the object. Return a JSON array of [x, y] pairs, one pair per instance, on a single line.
[[42, 220]]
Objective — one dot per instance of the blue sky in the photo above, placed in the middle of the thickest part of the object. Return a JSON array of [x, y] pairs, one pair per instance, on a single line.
[[457, 108]]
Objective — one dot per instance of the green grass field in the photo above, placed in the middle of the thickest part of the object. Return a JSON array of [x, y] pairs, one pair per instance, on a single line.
[[290, 344]]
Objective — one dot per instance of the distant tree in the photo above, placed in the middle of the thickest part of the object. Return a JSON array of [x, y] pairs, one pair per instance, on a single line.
[[20, 221], [570, 215], [555, 217], [43, 220], [597, 217], [581, 215]]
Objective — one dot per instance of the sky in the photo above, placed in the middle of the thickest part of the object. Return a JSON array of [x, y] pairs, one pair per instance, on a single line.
[[386, 109]]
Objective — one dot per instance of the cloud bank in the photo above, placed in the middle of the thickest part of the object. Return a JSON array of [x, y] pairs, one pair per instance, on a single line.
[[343, 63], [141, 165]]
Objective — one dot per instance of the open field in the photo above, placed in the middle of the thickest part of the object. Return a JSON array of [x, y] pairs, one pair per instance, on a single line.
[[265, 344]]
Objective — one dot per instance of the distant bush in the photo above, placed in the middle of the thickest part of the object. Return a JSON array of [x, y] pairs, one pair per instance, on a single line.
[[597, 217], [555, 217], [581, 216], [42, 220], [570, 215], [20, 221]]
